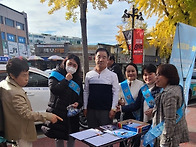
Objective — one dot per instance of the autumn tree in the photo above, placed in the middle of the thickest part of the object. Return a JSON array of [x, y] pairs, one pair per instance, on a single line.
[[71, 13], [169, 13], [127, 26]]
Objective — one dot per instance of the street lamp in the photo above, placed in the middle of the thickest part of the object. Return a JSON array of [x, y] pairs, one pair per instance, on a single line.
[[133, 15]]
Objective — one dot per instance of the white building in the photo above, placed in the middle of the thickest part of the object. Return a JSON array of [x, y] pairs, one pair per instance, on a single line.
[[51, 39]]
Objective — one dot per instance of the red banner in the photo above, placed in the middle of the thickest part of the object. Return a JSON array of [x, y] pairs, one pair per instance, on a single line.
[[138, 42]]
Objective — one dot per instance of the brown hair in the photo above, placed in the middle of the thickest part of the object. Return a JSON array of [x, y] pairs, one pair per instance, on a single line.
[[170, 72], [17, 65]]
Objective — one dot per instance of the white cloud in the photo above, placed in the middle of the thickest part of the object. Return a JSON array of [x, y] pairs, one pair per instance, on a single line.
[[101, 25]]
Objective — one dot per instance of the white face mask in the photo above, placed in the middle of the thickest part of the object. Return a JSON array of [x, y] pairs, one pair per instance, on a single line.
[[70, 69]]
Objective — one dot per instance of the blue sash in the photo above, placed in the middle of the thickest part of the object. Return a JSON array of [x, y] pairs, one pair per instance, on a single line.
[[129, 98], [73, 85], [148, 96], [158, 129]]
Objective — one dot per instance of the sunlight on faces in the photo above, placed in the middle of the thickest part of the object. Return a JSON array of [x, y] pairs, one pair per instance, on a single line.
[[22, 79], [101, 60], [131, 73], [149, 78]]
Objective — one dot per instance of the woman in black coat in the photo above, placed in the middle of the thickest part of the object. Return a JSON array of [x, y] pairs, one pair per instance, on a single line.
[[66, 89]]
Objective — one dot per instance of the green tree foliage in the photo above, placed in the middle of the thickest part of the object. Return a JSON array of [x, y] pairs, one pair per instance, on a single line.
[[169, 13]]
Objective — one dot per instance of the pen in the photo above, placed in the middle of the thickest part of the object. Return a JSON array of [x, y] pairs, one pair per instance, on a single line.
[[99, 134], [123, 133]]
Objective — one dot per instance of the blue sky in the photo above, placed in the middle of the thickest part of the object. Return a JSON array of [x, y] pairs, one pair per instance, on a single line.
[[101, 25]]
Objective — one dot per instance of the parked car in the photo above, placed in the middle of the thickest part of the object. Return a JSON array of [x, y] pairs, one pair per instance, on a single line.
[[38, 91], [37, 88], [192, 90]]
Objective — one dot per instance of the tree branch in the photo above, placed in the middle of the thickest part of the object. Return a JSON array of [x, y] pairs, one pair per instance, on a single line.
[[166, 12]]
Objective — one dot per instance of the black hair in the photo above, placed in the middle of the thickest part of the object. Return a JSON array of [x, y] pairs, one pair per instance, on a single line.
[[170, 72], [149, 68], [102, 50], [17, 65], [132, 64], [75, 58], [112, 58]]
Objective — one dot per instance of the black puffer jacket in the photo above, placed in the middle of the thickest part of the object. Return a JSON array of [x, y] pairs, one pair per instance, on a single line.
[[62, 96]]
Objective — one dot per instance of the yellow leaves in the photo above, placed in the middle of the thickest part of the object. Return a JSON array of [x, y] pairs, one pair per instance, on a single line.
[[72, 5], [120, 39], [162, 37], [101, 4], [169, 13], [42, 1]]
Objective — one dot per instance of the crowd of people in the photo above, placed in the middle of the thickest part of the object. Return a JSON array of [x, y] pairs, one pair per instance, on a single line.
[[107, 94]]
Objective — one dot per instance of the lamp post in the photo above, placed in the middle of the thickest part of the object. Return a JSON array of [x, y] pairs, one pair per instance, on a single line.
[[133, 15]]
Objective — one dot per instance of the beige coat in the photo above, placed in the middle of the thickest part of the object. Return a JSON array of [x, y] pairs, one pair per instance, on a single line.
[[18, 115]]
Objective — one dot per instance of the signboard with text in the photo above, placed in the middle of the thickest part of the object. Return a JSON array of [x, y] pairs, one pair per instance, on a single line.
[[138, 41], [183, 54], [51, 49], [13, 49], [22, 49]]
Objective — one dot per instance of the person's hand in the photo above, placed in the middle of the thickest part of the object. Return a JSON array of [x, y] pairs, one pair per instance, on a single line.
[[69, 76], [85, 112], [112, 114], [121, 102], [118, 108], [148, 112], [75, 105], [55, 118]]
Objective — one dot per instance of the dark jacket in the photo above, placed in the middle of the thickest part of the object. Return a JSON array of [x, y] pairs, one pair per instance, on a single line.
[[139, 103], [116, 68], [62, 96]]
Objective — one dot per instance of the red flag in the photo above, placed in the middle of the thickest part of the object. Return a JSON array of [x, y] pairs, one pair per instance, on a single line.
[[138, 42]]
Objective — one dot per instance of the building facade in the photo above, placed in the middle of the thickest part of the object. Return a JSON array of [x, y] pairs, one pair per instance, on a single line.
[[13, 32], [51, 39]]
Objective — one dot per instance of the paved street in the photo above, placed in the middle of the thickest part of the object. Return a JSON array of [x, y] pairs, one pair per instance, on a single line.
[[191, 120]]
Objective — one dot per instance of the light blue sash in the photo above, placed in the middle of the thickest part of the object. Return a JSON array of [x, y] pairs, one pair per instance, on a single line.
[[129, 98], [73, 85], [158, 129], [127, 93], [148, 96]]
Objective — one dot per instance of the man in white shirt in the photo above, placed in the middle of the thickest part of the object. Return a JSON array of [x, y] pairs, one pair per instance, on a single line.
[[101, 92]]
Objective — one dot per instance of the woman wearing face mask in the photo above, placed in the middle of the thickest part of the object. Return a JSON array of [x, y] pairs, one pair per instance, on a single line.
[[65, 92]]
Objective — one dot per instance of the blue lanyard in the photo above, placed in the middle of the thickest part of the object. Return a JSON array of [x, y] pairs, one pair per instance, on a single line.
[[73, 85], [148, 96]]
